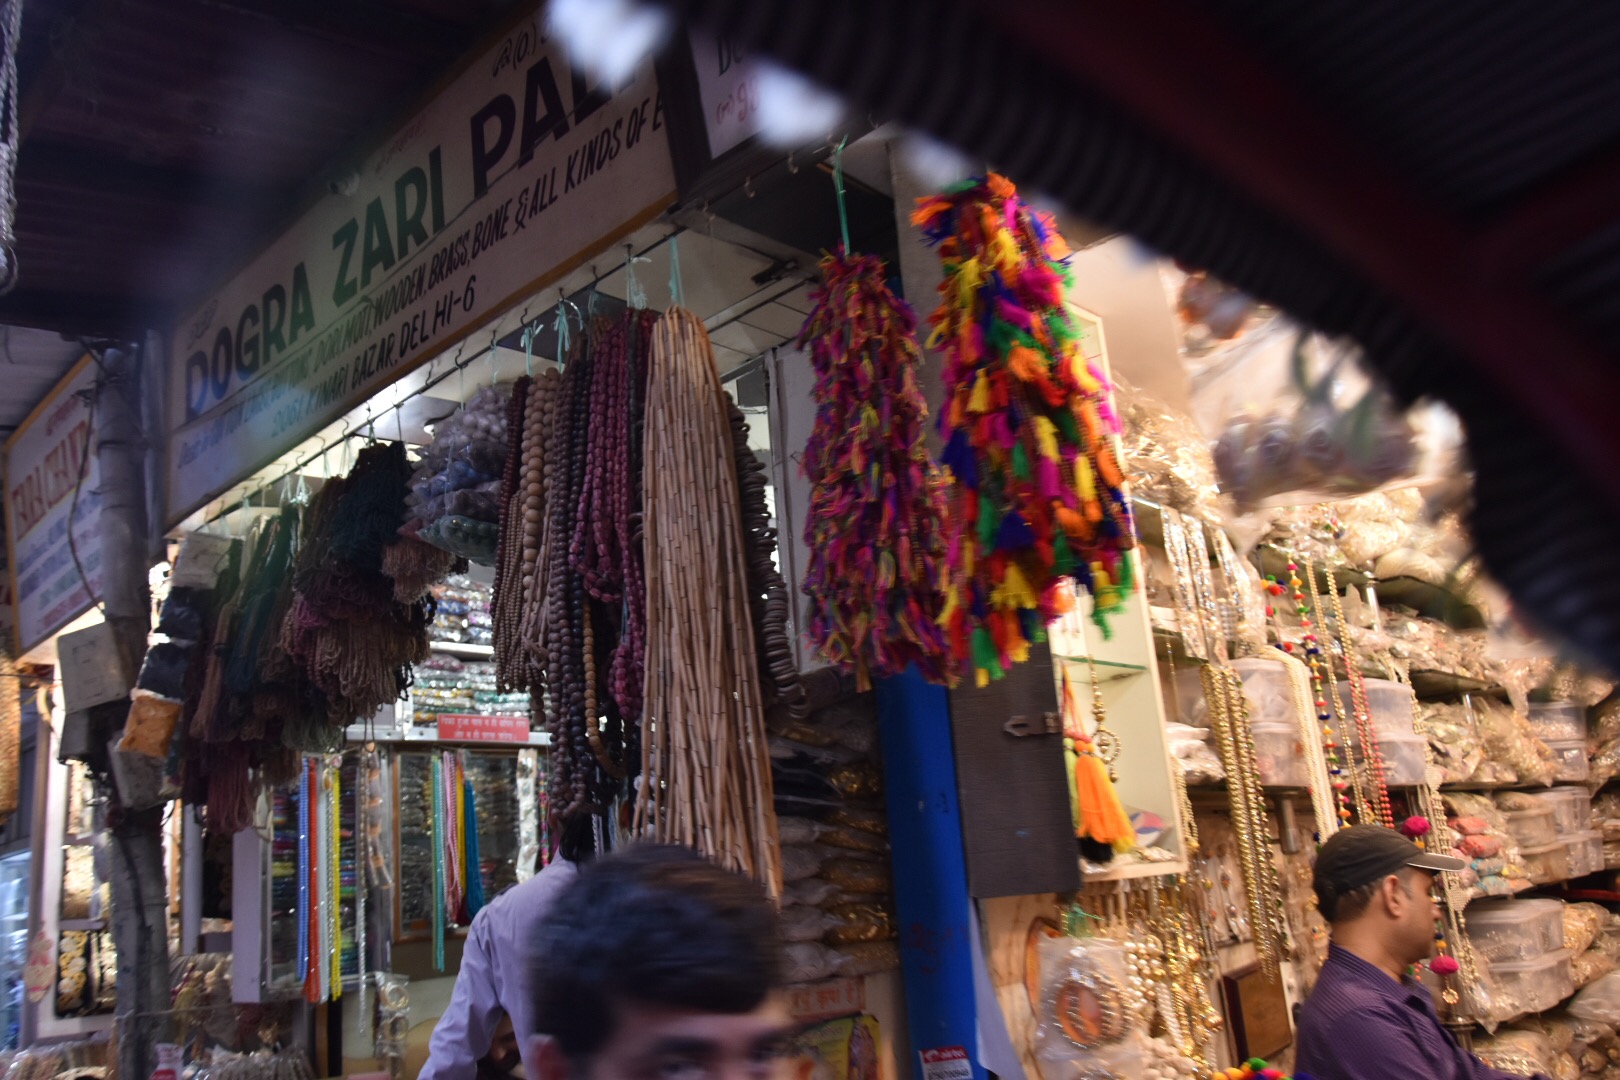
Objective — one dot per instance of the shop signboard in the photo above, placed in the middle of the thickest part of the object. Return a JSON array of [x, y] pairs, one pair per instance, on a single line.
[[52, 485], [728, 86], [519, 171], [462, 727]]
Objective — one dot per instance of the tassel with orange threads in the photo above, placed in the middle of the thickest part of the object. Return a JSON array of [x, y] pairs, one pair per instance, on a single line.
[[1037, 495], [1100, 822]]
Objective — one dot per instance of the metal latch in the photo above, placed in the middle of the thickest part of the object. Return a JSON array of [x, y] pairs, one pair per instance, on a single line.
[[1048, 723]]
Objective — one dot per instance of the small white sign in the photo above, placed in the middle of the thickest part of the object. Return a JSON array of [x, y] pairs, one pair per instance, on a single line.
[[728, 87], [946, 1063]]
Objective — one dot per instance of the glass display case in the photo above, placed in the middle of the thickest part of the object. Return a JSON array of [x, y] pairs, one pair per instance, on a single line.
[[494, 779], [285, 883], [13, 945]]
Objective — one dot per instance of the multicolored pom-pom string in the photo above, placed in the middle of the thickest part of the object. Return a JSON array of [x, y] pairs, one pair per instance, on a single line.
[[1037, 493], [875, 526]]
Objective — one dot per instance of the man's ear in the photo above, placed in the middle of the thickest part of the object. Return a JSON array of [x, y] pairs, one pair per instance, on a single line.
[[544, 1060], [1393, 893]]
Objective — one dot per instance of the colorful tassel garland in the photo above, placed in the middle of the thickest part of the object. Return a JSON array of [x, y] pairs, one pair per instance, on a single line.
[[875, 527], [1036, 492]]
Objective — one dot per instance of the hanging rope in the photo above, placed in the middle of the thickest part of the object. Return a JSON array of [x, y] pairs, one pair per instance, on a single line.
[[10, 139]]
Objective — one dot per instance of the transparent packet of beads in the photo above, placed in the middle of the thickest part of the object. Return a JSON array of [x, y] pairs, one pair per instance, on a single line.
[[1085, 1026]]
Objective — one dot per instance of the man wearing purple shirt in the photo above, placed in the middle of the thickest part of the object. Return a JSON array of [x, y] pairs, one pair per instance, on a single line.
[[492, 983], [1367, 1019]]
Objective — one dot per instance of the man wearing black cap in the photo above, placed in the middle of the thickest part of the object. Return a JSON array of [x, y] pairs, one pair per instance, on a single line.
[[1366, 1019]]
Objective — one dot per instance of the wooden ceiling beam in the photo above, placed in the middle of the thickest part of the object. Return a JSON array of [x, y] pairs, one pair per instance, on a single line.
[[52, 50], [68, 168], [364, 25], [1179, 72], [80, 314]]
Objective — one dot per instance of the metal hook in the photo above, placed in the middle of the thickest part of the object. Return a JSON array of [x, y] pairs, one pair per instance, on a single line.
[[748, 187], [792, 167]]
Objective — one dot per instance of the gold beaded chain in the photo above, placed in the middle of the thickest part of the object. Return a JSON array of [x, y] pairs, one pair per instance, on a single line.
[[1223, 690], [1374, 756]]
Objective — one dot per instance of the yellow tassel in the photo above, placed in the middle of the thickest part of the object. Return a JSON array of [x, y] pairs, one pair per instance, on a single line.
[[1102, 818], [953, 600], [1014, 591], [1018, 650], [1046, 438], [1085, 484], [937, 336], [969, 277], [1004, 250], [1082, 373], [979, 400], [981, 678]]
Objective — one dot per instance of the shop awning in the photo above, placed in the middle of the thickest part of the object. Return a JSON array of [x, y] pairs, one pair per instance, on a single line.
[[1440, 182]]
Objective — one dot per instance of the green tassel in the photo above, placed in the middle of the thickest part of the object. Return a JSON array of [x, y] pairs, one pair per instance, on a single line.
[[1062, 328], [985, 656], [1020, 461], [1000, 337], [989, 524], [1127, 573], [1062, 553], [1068, 426]]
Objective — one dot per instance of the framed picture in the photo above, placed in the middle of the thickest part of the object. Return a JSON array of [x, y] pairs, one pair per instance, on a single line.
[[1257, 1009]]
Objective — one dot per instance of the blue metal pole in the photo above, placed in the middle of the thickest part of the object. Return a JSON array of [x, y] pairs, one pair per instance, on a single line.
[[930, 871]]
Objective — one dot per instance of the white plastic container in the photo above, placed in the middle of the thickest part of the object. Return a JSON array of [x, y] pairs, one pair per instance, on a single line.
[[1562, 721], [1532, 828], [1515, 930], [1585, 853], [1546, 864], [1280, 755], [1531, 986], [1569, 759], [1571, 806], [1404, 762], [1389, 704], [1265, 685]]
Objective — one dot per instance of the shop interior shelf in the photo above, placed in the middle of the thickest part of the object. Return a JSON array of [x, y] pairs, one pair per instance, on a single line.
[[82, 924], [1430, 685], [464, 649], [1431, 601], [1107, 670], [1129, 869]]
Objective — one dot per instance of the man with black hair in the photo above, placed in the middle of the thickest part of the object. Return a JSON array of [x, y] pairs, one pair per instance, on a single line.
[[493, 979], [1367, 1018], [655, 964]]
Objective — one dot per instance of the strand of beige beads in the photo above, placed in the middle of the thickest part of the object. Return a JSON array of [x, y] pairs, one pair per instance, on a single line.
[[706, 771]]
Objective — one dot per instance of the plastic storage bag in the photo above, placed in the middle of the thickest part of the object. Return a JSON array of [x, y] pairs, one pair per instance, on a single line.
[[1084, 1025]]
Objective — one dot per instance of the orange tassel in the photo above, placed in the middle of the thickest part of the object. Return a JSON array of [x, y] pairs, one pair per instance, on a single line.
[[1102, 818], [1025, 363], [1108, 467]]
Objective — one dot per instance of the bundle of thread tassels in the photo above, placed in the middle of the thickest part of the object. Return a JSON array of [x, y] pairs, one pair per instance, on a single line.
[[1029, 433], [875, 527]]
